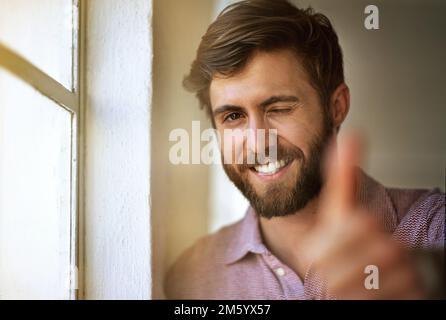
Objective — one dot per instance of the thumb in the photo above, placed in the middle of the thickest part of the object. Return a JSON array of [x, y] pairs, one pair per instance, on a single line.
[[338, 200]]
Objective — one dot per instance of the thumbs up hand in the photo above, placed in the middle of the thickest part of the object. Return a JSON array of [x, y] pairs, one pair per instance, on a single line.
[[348, 244]]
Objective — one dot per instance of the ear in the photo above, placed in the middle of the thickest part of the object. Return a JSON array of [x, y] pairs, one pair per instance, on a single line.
[[340, 105]]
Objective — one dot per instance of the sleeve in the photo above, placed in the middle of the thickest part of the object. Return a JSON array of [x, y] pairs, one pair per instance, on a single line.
[[423, 226], [436, 230]]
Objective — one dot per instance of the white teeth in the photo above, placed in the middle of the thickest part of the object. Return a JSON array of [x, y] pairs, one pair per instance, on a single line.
[[270, 168]]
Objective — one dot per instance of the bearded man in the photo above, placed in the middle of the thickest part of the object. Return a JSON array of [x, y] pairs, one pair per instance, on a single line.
[[316, 222]]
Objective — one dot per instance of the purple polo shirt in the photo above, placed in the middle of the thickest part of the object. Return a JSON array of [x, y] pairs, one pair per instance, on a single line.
[[234, 263]]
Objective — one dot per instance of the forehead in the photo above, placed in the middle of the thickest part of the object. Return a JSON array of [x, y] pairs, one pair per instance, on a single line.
[[266, 74]]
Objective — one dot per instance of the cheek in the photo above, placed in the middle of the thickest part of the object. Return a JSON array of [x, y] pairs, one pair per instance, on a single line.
[[299, 135]]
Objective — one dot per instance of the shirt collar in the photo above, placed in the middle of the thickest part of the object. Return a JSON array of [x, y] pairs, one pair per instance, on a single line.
[[246, 238], [370, 194]]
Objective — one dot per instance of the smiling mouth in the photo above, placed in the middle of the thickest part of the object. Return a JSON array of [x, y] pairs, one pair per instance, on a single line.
[[271, 168]]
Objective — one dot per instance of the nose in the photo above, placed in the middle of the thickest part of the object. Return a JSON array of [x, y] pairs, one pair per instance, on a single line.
[[258, 137], [255, 134]]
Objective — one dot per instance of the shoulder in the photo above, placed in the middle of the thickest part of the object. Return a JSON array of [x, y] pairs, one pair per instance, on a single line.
[[420, 202], [198, 268], [405, 200], [421, 215], [415, 217]]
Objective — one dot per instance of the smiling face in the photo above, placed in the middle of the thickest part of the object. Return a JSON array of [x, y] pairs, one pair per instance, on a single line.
[[273, 91]]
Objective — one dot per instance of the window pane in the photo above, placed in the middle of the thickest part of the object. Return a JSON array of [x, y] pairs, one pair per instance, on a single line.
[[34, 193], [41, 32]]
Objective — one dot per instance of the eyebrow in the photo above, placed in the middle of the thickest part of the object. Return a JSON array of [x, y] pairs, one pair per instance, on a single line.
[[263, 104], [275, 99]]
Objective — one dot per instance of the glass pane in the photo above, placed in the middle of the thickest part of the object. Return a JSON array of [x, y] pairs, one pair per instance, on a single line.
[[41, 32], [34, 194]]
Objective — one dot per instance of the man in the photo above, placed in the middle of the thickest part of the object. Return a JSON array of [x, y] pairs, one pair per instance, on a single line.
[[317, 225]]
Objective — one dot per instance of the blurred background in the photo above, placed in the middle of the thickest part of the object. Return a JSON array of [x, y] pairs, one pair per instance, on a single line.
[[396, 79]]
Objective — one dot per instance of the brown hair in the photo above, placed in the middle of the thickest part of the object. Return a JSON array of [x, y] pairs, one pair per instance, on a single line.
[[251, 25]]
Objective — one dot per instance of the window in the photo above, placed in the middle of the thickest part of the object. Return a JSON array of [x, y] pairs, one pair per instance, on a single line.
[[75, 149], [40, 112]]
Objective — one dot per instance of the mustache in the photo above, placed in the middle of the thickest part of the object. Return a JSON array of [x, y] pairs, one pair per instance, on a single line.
[[283, 153]]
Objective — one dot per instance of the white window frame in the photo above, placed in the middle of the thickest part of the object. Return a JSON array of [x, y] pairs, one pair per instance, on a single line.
[[72, 101]]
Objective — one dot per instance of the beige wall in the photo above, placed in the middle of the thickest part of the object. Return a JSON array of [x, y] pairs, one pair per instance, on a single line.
[[180, 193]]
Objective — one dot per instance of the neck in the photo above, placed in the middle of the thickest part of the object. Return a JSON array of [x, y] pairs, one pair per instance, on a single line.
[[286, 237]]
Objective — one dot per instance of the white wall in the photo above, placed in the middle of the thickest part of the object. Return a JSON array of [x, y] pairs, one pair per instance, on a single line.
[[117, 177]]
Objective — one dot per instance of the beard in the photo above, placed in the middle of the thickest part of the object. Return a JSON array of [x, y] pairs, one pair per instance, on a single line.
[[279, 199]]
